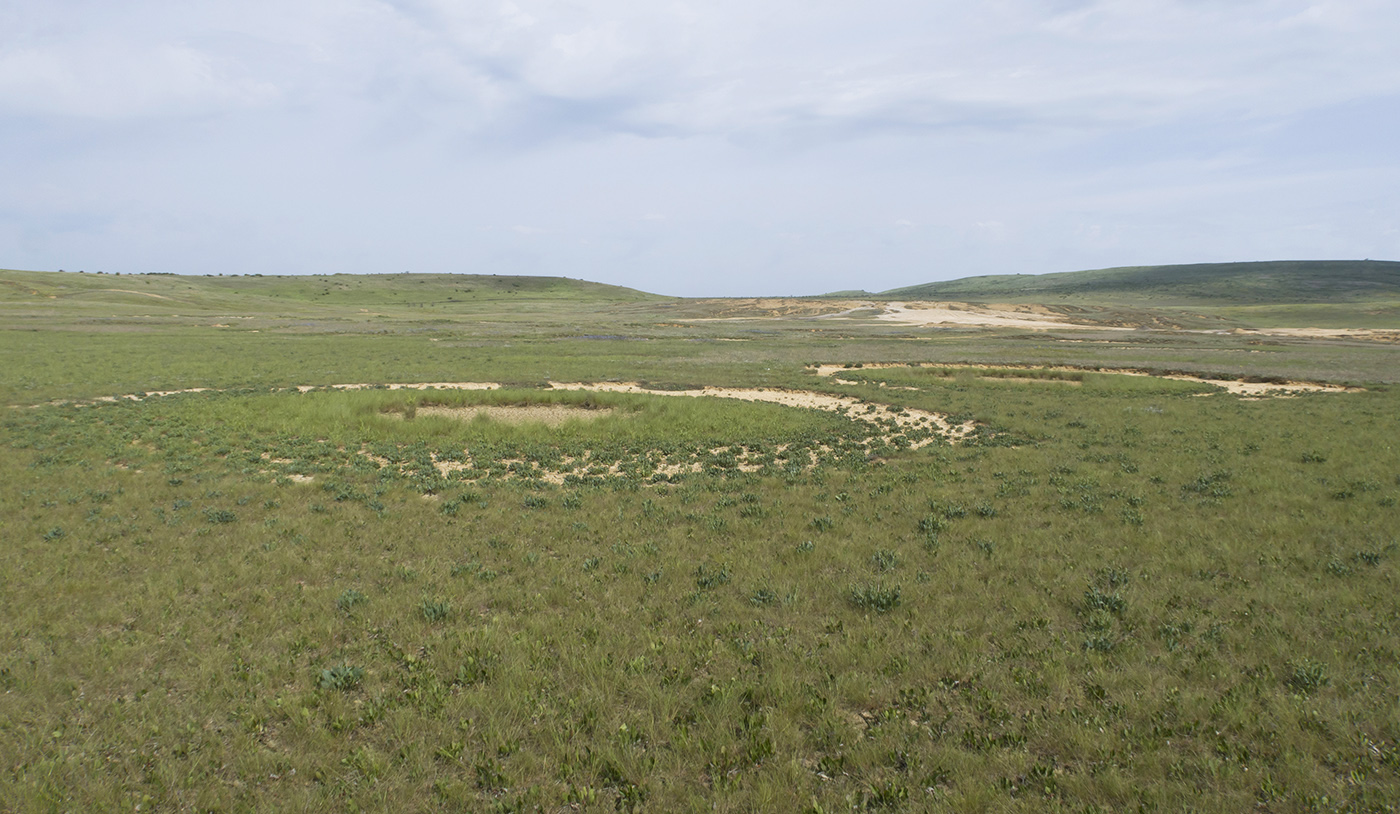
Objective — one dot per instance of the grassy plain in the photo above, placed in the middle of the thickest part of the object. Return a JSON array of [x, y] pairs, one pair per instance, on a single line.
[[1123, 593]]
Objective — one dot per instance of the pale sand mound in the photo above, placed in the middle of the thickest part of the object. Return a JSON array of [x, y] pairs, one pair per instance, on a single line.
[[551, 414]]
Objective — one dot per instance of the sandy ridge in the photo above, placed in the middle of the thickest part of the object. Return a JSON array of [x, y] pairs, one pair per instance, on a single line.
[[1237, 387], [853, 408]]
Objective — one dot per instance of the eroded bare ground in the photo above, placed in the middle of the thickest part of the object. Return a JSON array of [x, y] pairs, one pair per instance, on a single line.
[[1238, 387]]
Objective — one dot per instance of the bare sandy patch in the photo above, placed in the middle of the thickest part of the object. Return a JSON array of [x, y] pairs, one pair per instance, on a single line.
[[828, 370], [1242, 388], [550, 414], [920, 313], [985, 316], [1373, 334]]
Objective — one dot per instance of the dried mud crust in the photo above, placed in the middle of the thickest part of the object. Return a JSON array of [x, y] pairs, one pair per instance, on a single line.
[[1239, 387]]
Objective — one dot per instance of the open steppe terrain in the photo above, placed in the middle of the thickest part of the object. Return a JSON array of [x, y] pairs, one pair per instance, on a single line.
[[427, 542]]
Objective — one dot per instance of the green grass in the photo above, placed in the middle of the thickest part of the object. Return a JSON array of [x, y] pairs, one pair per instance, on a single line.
[[1121, 595], [1204, 284]]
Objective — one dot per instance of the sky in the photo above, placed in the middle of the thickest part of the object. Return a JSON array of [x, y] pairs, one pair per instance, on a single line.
[[707, 148]]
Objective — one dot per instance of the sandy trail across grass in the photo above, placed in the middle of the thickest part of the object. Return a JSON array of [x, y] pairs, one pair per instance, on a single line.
[[1234, 386]]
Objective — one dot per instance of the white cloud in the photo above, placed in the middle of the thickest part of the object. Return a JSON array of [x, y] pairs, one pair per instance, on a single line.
[[160, 132], [719, 67]]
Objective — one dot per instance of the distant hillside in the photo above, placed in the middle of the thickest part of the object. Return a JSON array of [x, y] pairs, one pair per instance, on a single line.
[[1262, 283], [257, 292]]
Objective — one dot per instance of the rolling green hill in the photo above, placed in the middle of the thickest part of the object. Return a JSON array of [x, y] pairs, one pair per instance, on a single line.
[[278, 293], [1211, 284]]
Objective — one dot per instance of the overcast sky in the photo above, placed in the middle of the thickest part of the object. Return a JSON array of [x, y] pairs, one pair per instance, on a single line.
[[696, 147]]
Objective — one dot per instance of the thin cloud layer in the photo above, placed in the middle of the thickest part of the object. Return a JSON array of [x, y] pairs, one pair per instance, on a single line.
[[683, 147]]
